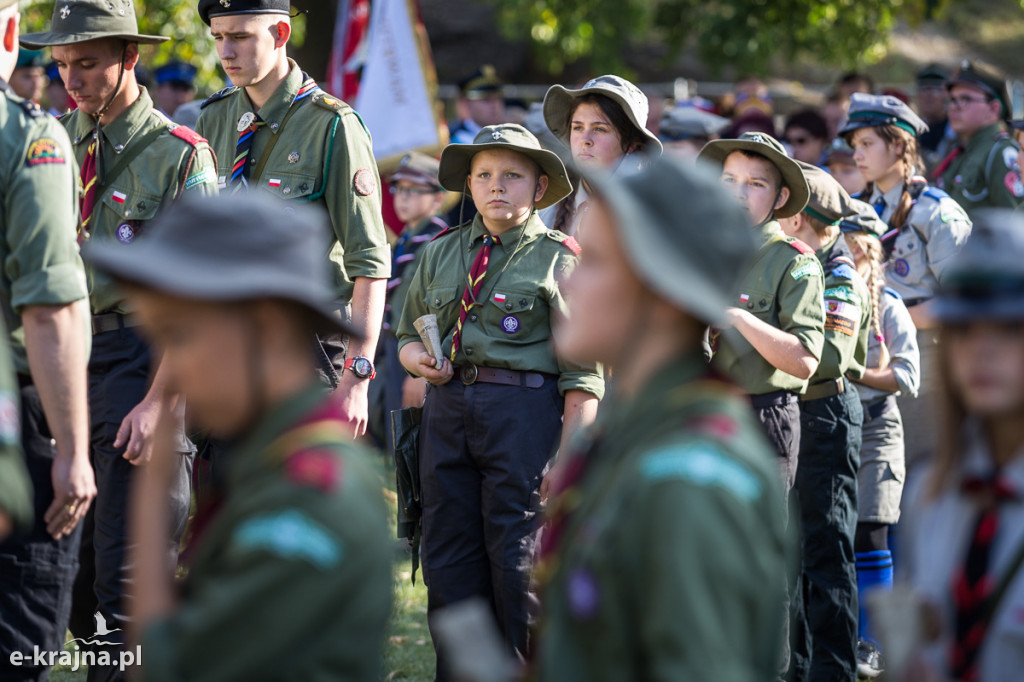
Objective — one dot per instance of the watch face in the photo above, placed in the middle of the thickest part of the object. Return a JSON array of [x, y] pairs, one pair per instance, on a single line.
[[362, 367]]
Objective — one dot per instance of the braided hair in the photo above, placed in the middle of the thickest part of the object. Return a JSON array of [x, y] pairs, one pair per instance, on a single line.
[[872, 250]]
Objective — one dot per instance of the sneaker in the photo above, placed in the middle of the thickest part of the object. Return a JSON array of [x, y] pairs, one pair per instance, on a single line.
[[869, 660]]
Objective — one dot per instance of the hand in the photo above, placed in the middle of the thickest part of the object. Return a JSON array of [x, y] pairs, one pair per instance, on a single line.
[[138, 430], [414, 392], [355, 401], [74, 487], [436, 376], [547, 484]]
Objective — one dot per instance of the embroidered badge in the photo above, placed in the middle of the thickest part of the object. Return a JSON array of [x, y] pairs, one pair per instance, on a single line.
[[496, 135], [804, 271], [125, 233], [119, 197], [841, 317], [510, 324], [703, 465], [583, 593], [901, 268], [274, 182], [364, 182], [744, 298], [291, 535], [44, 150], [1013, 183], [842, 293], [65, 12], [202, 177], [499, 298]]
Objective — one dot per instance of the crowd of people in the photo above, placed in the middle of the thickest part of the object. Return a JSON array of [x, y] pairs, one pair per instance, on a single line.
[[667, 396]]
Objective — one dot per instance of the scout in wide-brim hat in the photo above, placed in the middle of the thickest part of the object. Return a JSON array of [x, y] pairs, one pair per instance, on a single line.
[[559, 103], [661, 212], [457, 159], [863, 218], [827, 202], [762, 144], [260, 249], [77, 21]]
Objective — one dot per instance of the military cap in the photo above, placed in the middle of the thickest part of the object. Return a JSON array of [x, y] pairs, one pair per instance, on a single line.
[[863, 218], [29, 58], [456, 160], [175, 72], [223, 8], [983, 80], [661, 212], [932, 75], [839, 149], [481, 83], [762, 144], [685, 122], [985, 280], [871, 111], [53, 72], [419, 168], [559, 103], [78, 21], [828, 201], [263, 248]]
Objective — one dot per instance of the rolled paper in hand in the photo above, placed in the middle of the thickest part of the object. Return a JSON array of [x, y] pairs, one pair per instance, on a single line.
[[430, 336]]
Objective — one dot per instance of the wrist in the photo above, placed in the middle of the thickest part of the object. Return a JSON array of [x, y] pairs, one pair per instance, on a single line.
[[360, 367]]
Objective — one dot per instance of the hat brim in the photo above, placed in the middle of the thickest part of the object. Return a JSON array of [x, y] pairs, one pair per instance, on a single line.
[[559, 103], [50, 39], [950, 308], [717, 151], [456, 160]]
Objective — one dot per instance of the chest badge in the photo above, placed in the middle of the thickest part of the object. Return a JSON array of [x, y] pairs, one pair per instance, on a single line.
[[584, 595], [901, 267], [510, 324], [246, 120], [293, 157], [125, 233]]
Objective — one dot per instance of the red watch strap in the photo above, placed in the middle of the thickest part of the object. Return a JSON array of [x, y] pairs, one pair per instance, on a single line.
[[350, 363]]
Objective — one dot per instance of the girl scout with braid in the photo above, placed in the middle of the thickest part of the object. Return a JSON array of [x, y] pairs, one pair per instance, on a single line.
[[501, 401]]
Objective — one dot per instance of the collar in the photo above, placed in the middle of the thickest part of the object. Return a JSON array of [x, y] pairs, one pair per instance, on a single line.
[[471, 127], [892, 197], [768, 231], [983, 136], [119, 132], [532, 228], [833, 251], [977, 461], [275, 108]]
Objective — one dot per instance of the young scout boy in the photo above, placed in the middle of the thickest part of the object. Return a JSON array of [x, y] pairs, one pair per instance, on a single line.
[[501, 401], [830, 440], [275, 130], [290, 570]]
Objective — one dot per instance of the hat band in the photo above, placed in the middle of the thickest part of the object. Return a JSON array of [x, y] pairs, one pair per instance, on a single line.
[[820, 217], [878, 118]]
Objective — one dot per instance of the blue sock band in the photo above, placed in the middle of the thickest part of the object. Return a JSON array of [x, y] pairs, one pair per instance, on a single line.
[[874, 572]]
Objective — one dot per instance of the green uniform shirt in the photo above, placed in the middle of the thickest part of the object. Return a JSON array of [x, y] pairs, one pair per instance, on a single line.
[[15, 488], [291, 577], [783, 287], [38, 215], [511, 326], [985, 173], [847, 315], [669, 558], [162, 166], [322, 153]]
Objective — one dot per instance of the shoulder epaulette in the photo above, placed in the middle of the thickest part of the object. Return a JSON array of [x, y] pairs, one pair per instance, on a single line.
[[565, 240], [188, 135], [843, 270], [935, 193], [31, 109], [892, 292], [800, 246], [322, 99], [219, 95], [446, 231]]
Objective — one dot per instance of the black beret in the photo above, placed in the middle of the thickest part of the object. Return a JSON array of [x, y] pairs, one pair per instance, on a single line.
[[208, 8]]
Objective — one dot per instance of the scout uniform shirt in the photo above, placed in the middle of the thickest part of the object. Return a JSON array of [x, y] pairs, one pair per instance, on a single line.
[[15, 487], [983, 171], [147, 161], [290, 574], [936, 228], [511, 328], [404, 261], [900, 337], [312, 147], [664, 540], [38, 214], [783, 287], [847, 315]]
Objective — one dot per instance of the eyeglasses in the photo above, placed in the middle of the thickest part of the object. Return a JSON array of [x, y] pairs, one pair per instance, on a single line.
[[964, 102], [411, 191]]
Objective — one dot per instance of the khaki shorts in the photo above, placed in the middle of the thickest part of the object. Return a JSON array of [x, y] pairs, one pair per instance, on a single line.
[[882, 469]]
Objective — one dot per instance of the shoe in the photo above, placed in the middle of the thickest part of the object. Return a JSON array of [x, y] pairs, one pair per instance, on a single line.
[[869, 660]]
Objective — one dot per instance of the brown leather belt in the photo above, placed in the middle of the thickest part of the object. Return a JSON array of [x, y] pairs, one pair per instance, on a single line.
[[111, 322], [471, 374], [825, 389]]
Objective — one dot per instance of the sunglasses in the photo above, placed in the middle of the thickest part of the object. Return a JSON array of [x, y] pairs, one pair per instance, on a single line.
[[796, 141]]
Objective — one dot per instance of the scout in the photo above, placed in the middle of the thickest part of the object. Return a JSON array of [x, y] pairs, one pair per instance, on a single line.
[[134, 161], [840, 165], [289, 572], [481, 103], [175, 86], [43, 297], [982, 169], [277, 131], [665, 551], [830, 439], [501, 402], [685, 129], [965, 521]]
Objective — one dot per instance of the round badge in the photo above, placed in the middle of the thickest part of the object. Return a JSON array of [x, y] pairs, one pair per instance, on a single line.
[[125, 233], [901, 267], [584, 596], [246, 121], [510, 324], [364, 182]]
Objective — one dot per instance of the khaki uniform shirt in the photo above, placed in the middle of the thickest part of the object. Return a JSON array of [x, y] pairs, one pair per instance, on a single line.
[[322, 153], [900, 337], [162, 166], [847, 315], [511, 326], [985, 173], [784, 287]]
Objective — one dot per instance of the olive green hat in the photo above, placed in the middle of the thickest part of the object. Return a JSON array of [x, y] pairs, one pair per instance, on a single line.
[[828, 201], [456, 160], [560, 101], [763, 144], [77, 21], [662, 212]]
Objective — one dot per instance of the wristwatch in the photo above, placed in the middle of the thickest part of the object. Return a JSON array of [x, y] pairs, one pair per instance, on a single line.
[[361, 367]]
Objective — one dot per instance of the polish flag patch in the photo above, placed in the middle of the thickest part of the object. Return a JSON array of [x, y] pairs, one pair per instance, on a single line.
[[499, 298], [744, 298], [273, 182], [119, 197]]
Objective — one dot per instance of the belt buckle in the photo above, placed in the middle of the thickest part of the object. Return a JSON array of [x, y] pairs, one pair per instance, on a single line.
[[469, 374]]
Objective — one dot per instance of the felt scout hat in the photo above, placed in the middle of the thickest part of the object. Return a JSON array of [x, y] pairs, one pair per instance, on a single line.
[[863, 218], [664, 210], [685, 122], [77, 21], [212, 8], [762, 144], [828, 201], [456, 160], [559, 103], [984, 80], [262, 248], [985, 280], [419, 168], [870, 111]]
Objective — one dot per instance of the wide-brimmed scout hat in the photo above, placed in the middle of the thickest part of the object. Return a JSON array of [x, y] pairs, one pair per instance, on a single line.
[[559, 103], [827, 200], [863, 218], [456, 160], [661, 212], [230, 249], [871, 111], [762, 144], [76, 21]]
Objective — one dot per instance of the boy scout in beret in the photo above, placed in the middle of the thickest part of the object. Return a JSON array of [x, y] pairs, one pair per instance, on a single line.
[[289, 571], [277, 131], [481, 103], [501, 401], [982, 169], [45, 317], [134, 161], [830, 439], [674, 487]]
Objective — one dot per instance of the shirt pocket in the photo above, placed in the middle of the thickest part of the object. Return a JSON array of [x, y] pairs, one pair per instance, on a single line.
[[517, 316], [442, 301], [909, 257], [288, 184], [759, 302], [132, 209]]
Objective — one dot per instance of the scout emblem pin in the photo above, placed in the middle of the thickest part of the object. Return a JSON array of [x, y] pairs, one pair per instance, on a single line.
[[496, 135], [758, 139], [248, 117], [293, 157], [510, 324], [64, 12], [125, 233]]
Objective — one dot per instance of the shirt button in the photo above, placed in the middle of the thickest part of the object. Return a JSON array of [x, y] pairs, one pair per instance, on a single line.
[[118, 147], [286, 190], [437, 302], [508, 306], [273, 126], [473, 318], [469, 351]]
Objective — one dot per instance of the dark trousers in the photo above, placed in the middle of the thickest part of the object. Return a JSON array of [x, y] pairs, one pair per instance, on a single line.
[[36, 571], [119, 373], [394, 380], [825, 647], [483, 449]]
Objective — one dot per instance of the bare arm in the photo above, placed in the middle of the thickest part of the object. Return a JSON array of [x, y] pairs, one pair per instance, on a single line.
[[921, 315], [139, 426], [579, 412], [881, 379], [367, 315], [781, 349], [58, 359]]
